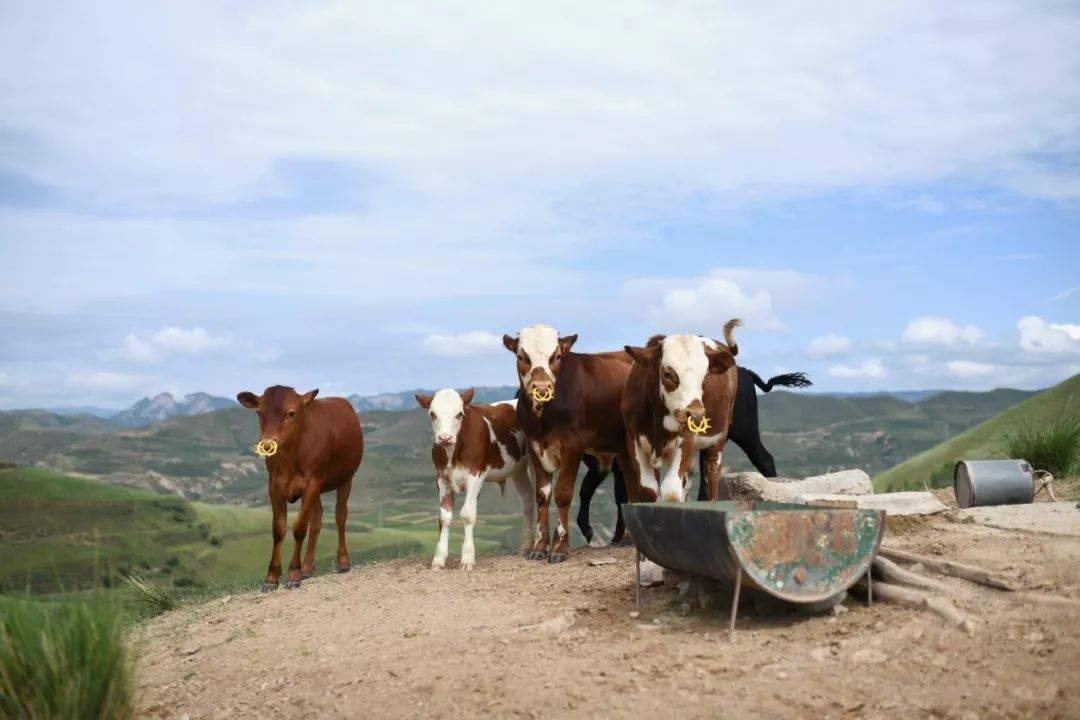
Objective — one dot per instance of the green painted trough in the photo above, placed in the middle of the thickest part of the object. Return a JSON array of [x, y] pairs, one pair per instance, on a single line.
[[795, 553]]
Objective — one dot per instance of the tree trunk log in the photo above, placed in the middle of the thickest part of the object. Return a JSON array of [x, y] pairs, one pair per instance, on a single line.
[[913, 598], [971, 573], [890, 572]]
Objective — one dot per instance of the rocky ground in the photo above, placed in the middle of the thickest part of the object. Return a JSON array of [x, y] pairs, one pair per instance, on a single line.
[[522, 639]]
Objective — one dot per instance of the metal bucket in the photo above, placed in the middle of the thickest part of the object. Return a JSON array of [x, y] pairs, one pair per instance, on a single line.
[[993, 482]]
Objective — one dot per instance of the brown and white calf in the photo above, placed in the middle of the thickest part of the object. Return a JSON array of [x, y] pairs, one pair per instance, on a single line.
[[679, 399], [568, 407], [475, 444]]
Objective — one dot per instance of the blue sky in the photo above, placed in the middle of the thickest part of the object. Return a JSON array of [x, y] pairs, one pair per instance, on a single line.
[[365, 198]]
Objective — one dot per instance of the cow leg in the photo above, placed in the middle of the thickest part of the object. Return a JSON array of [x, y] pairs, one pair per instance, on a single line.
[[620, 500], [446, 517], [314, 528], [641, 485], [528, 504], [564, 495], [299, 532], [671, 486], [543, 505], [589, 484], [473, 484], [280, 510], [755, 451], [341, 514], [713, 457], [703, 473]]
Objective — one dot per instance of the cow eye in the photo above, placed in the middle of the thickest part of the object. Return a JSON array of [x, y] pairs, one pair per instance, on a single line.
[[460, 415], [432, 414], [290, 415]]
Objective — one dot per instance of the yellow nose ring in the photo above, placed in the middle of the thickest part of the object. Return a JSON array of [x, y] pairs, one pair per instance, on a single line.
[[543, 397], [696, 428], [263, 452]]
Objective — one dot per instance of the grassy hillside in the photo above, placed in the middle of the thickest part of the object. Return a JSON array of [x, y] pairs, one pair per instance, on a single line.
[[982, 442], [65, 533]]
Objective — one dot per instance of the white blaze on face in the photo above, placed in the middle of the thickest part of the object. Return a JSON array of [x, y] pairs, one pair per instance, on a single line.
[[685, 356], [537, 344], [446, 412]]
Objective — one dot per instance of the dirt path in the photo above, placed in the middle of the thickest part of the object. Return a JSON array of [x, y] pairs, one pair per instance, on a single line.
[[529, 640]]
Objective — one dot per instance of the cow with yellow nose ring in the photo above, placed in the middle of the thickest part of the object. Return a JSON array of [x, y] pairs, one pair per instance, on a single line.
[[679, 399]]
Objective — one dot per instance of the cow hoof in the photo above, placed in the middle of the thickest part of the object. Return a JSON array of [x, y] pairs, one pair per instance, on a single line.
[[269, 587], [306, 575], [437, 566], [292, 584], [557, 558], [537, 555], [344, 568], [469, 566]]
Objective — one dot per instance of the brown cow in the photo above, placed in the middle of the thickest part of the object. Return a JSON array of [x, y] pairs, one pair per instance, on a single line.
[[679, 399], [311, 447], [475, 444], [568, 407]]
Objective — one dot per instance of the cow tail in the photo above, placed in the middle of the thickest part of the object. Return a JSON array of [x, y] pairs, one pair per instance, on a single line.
[[729, 338]]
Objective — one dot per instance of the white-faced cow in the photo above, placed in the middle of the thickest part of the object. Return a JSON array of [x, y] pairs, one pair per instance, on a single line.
[[311, 447], [568, 407], [679, 399], [475, 444]]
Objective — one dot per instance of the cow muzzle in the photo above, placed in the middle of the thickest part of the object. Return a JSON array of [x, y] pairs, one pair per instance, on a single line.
[[695, 418], [541, 392], [266, 448], [445, 440]]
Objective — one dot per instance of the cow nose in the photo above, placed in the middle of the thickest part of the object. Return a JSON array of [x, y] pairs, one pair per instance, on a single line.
[[445, 439], [267, 444], [696, 410]]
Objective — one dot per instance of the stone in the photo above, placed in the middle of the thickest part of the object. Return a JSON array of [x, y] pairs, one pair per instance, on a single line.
[[596, 562]]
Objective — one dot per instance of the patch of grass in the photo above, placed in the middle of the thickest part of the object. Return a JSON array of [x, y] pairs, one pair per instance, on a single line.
[[1052, 446], [151, 597], [63, 660]]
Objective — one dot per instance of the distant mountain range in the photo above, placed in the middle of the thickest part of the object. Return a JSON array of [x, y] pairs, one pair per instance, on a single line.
[[164, 406]]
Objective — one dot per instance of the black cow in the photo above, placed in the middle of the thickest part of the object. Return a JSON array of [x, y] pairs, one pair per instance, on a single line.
[[745, 432]]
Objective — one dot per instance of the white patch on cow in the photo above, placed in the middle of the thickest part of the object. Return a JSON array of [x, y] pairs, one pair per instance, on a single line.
[[646, 469], [685, 355], [707, 441], [446, 406], [671, 489], [539, 343], [561, 530], [512, 403], [549, 456], [509, 465], [473, 483], [546, 492]]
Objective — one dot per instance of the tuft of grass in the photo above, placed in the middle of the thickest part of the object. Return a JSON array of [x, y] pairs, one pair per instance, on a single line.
[[153, 598], [1052, 446], [63, 660]]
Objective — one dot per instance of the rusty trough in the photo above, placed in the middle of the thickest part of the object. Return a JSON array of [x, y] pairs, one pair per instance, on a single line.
[[791, 552]]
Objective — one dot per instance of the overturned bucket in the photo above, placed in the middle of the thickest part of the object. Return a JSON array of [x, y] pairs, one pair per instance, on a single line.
[[993, 482]]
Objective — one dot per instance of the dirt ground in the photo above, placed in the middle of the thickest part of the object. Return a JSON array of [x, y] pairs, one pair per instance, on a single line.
[[524, 639]]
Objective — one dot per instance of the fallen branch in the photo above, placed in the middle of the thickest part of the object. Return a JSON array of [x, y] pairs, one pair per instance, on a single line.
[[913, 598], [1045, 599], [971, 573], [890, 572]]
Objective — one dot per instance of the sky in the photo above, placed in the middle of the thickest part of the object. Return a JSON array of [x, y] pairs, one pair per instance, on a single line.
[[364, 197]]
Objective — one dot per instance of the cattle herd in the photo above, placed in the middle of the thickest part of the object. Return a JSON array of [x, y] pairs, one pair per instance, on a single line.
[[640, 412]]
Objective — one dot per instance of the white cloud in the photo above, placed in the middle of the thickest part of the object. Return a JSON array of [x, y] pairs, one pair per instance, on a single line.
[[1038, 335], [969, 368], [930, 330], [169, 341], [105, 380], [187, 342], [831, 345], [869, 369], [467, 344]]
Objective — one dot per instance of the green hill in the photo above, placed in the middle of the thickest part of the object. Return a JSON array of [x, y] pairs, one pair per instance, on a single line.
[[62, 533], [935, 466]]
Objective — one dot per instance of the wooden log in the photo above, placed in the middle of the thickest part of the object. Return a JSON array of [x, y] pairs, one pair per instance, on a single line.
[[971, 573], [894, 503], [940, 606], [890, 572]]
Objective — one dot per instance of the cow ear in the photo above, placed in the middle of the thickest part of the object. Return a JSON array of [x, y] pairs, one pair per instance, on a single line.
[[567, 342], [467, 396], [248, 399], [424, 400], [642, 355], [655, 340], [511, 343], [309, 396], [720, 359]]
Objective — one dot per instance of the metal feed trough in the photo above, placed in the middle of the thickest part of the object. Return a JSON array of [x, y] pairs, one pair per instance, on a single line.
[[796, 553]]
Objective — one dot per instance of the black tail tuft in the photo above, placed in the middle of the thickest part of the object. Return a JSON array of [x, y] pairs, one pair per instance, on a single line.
[[795, 379]]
